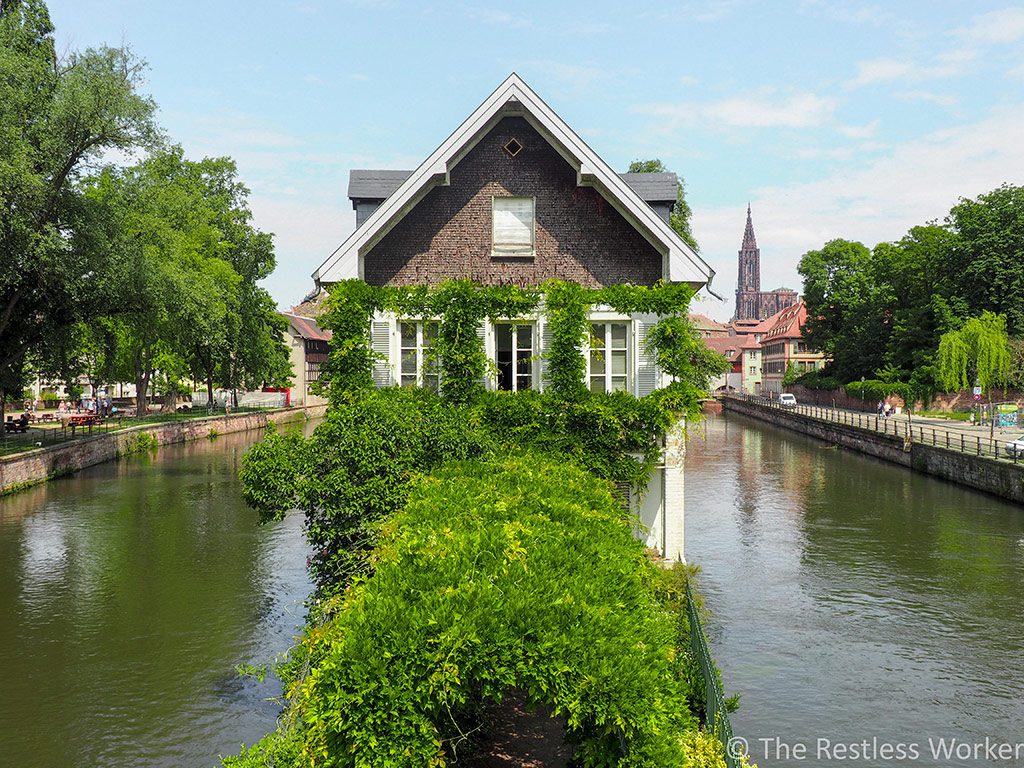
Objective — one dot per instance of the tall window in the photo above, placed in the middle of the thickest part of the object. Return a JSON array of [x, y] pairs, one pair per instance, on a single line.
[[512, 226], [419, 368], [609, 357], [513, 347]]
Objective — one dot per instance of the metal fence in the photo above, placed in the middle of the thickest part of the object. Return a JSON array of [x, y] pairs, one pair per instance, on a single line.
[[903, 427], [715, 713]]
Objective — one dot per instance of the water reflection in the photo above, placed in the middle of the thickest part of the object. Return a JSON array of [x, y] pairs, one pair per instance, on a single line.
[[852, 598], [128, 593]]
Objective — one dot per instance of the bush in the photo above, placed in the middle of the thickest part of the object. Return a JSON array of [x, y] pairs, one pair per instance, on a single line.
[[513, 573]]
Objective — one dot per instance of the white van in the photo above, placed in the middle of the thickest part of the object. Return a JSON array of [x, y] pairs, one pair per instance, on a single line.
[[787, 400]]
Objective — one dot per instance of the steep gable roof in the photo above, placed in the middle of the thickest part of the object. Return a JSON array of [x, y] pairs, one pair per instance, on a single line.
[[787, 323], [515, 97]]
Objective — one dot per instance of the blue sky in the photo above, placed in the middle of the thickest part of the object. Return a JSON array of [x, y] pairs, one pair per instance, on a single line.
[[834, 119]]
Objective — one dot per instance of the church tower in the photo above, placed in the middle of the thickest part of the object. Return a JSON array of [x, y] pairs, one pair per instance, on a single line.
[[748, 283]]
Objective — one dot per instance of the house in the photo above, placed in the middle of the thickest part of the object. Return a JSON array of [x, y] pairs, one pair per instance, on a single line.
[[707, 328], [307, 348], [731, 348], [783, 348], [515, 196]]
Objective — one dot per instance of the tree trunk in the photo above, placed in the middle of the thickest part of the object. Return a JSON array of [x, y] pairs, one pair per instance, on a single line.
[[209, 391], [141, 387], [3, 409]]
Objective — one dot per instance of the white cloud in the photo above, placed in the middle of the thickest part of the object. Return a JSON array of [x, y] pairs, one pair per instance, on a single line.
[[876, 201], [765, 109], [939, 99], [997, 27], [860, 131], [886, 70]]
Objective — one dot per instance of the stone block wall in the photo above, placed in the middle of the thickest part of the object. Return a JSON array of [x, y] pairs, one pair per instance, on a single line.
[[25, 469]]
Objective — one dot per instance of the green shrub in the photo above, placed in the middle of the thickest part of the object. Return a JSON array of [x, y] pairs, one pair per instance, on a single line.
[[515, 573]]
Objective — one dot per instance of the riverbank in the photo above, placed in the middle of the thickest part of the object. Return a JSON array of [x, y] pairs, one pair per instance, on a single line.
[[26, 469], [1002, 478]]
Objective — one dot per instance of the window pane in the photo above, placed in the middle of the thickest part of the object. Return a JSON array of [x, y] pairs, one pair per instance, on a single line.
[[524, 336], [618, 384], [503, 337], [409, 362], [619, 363], [597, 336], [523, 382], [523, 362], [408, 334], [597, 363], [618, 336], [513, 224], [430, 382], [429, 334], [597, 383], [408, 381]]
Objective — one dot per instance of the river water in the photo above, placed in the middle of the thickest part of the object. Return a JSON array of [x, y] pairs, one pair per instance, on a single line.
[[867, 614], [128, 593], [851, 600]]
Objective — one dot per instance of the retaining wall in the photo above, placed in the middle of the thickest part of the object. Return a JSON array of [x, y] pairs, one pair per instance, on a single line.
[[982, 473], [31, 467]]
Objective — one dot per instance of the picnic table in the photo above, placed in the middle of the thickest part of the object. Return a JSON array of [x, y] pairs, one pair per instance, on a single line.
[[15, 425], [74, 420]]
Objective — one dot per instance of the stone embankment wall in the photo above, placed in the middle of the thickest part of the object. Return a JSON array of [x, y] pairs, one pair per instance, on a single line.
[[1001, 478], [32, 467]]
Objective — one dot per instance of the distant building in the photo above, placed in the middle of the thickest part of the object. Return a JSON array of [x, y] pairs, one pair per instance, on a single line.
[[708, 328], [751, 302], [783, 346], [307, 348], [731, 348]]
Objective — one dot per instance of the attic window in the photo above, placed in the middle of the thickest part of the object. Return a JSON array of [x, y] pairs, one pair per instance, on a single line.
[[513, 147], [512, 227]]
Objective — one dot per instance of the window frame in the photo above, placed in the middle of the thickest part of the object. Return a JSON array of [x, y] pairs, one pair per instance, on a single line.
[[630, 348], [534, 327], [421, 350], [496, 254]]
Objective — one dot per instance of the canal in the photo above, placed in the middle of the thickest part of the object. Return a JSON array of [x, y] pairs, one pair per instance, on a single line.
[[128, 594], [856, 604]]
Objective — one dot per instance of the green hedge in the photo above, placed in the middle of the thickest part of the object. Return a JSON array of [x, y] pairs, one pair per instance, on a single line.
[[513, 573]]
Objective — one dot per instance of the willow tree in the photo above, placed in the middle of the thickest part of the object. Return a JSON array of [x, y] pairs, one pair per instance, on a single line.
[[979, 352]]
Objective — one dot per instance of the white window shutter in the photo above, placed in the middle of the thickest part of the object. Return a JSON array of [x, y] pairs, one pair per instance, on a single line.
[[481, 333], [546, 339], [380, 342], [647, 366]]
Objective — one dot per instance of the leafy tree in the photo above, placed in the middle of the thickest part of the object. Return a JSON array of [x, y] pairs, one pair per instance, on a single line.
[[845, 308], [679, 219], [187, 264], [988, 254], [56, 115]]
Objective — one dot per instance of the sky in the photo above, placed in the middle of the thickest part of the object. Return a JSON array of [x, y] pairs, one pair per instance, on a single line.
[[832, 119]]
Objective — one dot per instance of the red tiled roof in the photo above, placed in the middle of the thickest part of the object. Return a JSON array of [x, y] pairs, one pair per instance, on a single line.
[[725, 345], [787, 323], [307, 328]]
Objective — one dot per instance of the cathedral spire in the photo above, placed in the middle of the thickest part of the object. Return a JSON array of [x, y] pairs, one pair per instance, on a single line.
[[749, 241]]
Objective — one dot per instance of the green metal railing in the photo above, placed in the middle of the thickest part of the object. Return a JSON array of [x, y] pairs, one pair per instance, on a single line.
[[716, 714]]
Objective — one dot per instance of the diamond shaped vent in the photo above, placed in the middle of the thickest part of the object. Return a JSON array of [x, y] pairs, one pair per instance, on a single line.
[[513, 147]]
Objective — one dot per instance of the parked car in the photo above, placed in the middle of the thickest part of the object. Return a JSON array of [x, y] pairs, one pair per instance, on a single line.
[[787, 400], [1015, 448]]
